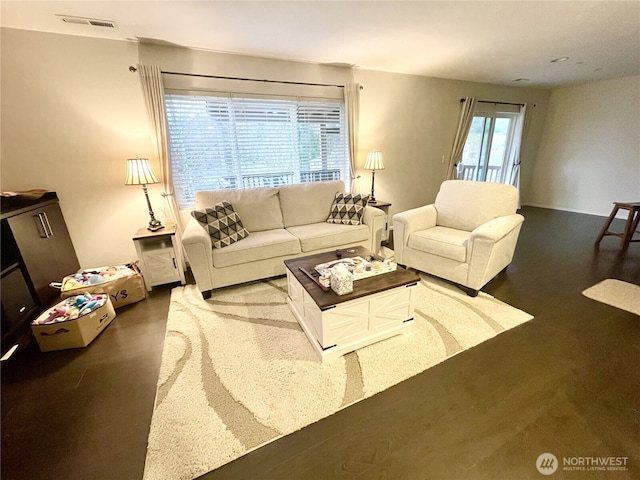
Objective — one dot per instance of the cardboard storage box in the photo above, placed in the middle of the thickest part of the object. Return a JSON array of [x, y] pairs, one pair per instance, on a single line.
[[124, 288], [72, 333]]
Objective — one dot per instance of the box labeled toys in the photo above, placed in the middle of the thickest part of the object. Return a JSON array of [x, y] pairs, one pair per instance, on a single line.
[[123, 283], [73, 323]]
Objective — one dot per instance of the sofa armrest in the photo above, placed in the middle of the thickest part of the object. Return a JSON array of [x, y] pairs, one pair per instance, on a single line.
[[409, 221], [497, 228], [197, 246], [376, 220]]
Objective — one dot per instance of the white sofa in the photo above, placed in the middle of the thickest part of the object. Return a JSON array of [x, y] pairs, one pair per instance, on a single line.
[[283, 222], [467, 236]]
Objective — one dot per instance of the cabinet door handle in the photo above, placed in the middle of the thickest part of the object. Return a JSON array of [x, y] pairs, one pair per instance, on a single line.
[[44, 227], [46, 220], [175, 265]]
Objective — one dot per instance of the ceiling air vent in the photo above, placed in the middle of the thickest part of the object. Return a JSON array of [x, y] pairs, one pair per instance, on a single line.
[[94, 22], [102, 23]]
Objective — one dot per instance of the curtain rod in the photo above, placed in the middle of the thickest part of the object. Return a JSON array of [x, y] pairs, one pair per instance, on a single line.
[[133, 69], [497, 103]]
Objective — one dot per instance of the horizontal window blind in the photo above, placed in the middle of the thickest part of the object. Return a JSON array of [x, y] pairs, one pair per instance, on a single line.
[[220, 142]]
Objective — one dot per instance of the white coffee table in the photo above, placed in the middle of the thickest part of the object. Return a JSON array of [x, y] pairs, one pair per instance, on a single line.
[[378, 308]]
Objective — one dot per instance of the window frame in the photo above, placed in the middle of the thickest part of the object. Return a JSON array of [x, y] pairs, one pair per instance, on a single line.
[[305, 113]]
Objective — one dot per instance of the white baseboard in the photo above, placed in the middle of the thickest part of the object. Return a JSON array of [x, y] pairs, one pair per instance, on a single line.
[[622, 214]]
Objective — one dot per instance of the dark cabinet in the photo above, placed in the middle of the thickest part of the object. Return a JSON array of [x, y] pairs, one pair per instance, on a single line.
[[45, 247], [18, 303], [36, 250]]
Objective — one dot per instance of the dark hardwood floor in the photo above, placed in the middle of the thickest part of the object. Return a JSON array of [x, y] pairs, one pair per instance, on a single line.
[[566, 383]]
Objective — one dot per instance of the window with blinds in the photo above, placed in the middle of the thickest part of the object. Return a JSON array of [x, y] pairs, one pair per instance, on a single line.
[[226, 142]]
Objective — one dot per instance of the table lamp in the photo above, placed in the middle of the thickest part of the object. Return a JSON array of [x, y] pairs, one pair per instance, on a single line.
[[139, 173], [374, 162]]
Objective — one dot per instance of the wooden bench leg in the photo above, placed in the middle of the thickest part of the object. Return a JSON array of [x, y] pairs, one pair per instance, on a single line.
[[607, 224], [630, 227]]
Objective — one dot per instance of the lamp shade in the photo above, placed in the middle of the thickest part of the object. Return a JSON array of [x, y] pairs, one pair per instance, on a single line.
[[374, 161], [139, 172]]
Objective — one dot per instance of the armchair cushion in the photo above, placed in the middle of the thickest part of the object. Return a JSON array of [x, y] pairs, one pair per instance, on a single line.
[[441, 241], [466, 205]]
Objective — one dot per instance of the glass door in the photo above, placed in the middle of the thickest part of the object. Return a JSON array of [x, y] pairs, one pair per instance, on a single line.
[[487, 150]]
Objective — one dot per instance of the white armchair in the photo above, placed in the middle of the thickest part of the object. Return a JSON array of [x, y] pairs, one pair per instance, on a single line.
[[467, 236]]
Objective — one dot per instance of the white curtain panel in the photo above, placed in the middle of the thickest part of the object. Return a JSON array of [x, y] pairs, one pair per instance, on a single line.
[[352, 102], [153, 90], [524, 121], [466, 117]]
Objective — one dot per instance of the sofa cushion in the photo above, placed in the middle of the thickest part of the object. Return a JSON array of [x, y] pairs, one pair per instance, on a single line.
[[466, 205], [259, 208], [308, 202], [222, 223], [324, 235], [348, 208], [258, 246], [441, 241]]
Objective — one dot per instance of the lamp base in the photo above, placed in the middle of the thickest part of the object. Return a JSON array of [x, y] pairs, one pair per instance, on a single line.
[[155, 225], [372, 197]]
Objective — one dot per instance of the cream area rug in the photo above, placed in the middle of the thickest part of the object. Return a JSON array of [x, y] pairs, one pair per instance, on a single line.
[[619, 294], [238, 372]]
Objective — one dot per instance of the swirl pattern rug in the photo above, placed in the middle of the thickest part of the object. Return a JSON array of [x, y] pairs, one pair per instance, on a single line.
[[237, 371]]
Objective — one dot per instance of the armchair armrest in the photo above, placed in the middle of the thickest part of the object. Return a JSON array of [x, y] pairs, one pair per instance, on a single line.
[[375, 219], [497, 228], [491, 247], [416, 219], [409, 221], [197, 245]]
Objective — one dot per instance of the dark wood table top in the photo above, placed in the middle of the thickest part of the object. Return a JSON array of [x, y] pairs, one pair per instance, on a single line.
[[361, 288]]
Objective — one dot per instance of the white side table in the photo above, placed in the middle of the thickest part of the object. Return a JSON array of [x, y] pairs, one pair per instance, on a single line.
[[160, 256], [384, 206]]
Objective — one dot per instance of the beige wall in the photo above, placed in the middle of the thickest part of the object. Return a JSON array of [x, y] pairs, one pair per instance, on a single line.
[[72, 114], [177, 59], [413, 121], [589, 156]]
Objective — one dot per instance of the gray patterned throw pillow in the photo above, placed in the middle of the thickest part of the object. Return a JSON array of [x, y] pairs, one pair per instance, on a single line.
[[222, 223], [348, 208]]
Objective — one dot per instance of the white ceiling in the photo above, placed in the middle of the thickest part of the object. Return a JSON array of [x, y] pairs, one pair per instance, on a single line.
[[483, 41]]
